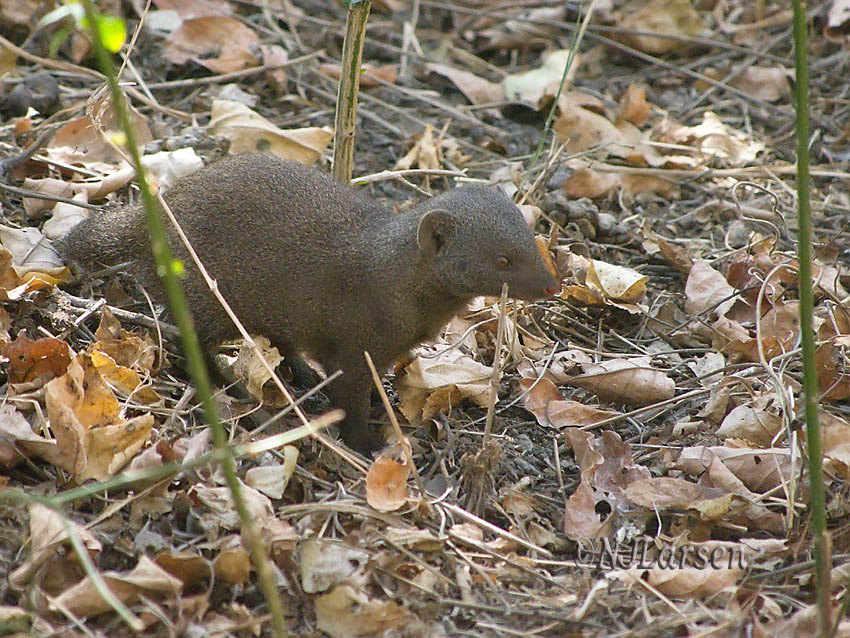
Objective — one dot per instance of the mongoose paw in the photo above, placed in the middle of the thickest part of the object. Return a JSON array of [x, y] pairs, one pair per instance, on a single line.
[[363, 439]]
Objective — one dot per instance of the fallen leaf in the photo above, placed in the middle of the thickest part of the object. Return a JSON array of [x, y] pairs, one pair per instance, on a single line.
[[689, 582], [272, 480], [431, 386], [146, 579], [43, 359], [370, 75], [531, 87], [93, 441], [324, 564], [233, 566], [249, 369], [667, 17], [663, 493], [765, 83], [631, 381], [760, 470], [386, 484], [544, 401], [477, 90], [220, 43], [348, 612], [249, 132]]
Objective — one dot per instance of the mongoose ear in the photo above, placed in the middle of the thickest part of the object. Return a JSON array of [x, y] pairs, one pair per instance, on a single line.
[[435, 228]]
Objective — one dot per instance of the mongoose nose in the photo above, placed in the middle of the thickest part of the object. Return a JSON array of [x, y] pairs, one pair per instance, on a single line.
[[551, 291]]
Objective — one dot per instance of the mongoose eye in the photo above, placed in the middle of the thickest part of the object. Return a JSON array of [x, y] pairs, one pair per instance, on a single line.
[[502, 262]]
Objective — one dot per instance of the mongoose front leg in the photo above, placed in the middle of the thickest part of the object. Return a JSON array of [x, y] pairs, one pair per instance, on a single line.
[[351, 392]]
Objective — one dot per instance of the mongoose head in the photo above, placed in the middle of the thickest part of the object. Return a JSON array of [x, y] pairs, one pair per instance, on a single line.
[[476, 239]]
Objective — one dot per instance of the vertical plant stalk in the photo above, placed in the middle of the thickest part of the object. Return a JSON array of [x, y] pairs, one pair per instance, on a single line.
[[496, 377], [168, 269], [810, 382], [349, 85], [574, 45]]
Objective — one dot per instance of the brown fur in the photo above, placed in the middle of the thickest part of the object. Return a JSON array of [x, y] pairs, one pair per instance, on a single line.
[[319, 267]]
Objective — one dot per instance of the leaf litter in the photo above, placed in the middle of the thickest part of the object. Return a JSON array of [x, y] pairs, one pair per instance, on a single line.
[[653, 406]]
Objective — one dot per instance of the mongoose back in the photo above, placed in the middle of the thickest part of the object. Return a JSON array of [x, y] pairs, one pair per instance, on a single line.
[[321, 268]]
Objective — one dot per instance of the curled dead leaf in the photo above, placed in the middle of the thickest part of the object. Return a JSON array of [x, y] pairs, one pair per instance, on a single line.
[[386, 484]]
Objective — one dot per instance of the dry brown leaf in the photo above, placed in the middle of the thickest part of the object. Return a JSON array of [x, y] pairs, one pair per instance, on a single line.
[[249, 369], [123, 380], [713, 140], [661, 493], [689, 582], [476, 89], [763, 82], [17, 439], [249, 132], [348, 612], [15, 620], [674, 254], [423, 540], [188, 9], [431, 386], [833, 367], [273, 54], [835, 442], [707, 290], [759, 470], [127, 349], [189, 567], [606, 462], [370, 75], [272, 480], [581, 129], [79, 142], [630, 381], [752, 424], [544, 401], [609, 285], [587, 182], [616, 283], [145, 579], [639, 184], [424, 154], [324, 564], [43, 359], [220, 43], [581, 520], [219, 502], [92, 440], [386, 484], [634, 107], [532, 87], [49, 538], [32, 256], [668, 17], [779, 332], [233, 566], [805, 623]]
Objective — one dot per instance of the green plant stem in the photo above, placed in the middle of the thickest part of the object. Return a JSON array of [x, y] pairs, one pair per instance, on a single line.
[[349, 85], [168, 268], [574, 45], [810, 381]]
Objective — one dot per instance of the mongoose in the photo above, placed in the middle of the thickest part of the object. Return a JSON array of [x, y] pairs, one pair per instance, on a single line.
[[321, 268]]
